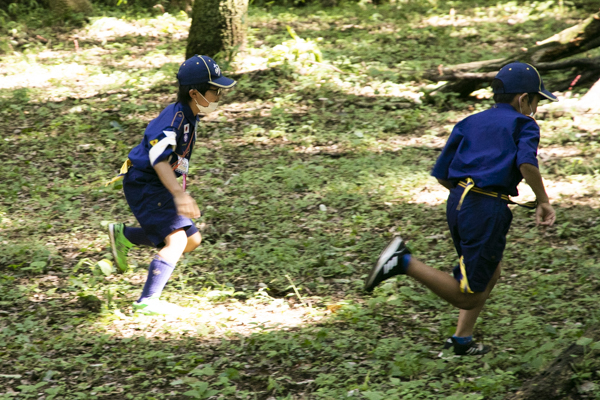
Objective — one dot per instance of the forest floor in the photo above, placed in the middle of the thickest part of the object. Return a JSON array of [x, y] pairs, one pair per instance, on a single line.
[[304, 173]]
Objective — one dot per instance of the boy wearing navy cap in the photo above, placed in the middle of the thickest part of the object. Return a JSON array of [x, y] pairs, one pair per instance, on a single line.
[[160, 204], [485, 158]]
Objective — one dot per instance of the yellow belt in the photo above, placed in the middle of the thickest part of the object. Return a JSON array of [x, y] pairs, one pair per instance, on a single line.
[[469, 186], [124, 168]]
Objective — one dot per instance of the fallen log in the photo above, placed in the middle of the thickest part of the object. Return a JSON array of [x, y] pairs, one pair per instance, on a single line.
[[464, 78], [447, 74], [569, 42]]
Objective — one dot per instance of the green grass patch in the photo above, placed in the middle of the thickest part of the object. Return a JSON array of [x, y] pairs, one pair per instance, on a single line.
[[303, 175]]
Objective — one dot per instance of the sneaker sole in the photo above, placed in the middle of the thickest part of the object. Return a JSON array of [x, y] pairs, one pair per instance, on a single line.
[[479, 351], [149, 313], [113, 246], [390, 249]]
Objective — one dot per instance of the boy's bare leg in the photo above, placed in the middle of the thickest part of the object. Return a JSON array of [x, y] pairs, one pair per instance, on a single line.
[[175, 244], [193, 242], [178, 243], [467, 318], [445, 286]]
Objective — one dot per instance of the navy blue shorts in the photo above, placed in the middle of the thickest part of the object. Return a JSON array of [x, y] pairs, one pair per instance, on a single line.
[[478, 231], [154, 207]]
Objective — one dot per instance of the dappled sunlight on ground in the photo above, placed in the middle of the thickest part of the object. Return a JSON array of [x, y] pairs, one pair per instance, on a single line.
[[555, 151], [83, 78], [434, 143], [83, 71], [574, 190], [303, 174], [106, 28], [207, 320], [577, 190], [253, 60], [431, 193], [509, 13], [327, 73], [38, 75]]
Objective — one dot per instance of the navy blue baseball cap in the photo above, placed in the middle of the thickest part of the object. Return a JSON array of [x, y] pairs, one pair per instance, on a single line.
[[202, 69], [520, 77]]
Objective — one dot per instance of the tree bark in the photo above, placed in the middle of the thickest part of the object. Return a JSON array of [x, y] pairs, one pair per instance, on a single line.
[[218, 28], [61, 7]]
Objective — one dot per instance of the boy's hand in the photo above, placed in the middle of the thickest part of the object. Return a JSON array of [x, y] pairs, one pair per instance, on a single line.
[[544, 214], [186, 205]]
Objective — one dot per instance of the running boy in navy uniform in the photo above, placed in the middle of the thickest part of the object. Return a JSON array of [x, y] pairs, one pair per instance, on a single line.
[[160, 204], [485, 158]]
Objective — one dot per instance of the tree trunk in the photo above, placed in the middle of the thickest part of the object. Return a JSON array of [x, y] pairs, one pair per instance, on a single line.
[[464, 78], [218, 27], [61, 7]]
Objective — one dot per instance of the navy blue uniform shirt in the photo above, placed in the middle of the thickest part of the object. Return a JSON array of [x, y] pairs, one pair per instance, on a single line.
[[170, 136], [489, 147]]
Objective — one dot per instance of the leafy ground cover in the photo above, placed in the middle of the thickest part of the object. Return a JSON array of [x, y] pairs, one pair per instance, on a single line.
[[303, 174]]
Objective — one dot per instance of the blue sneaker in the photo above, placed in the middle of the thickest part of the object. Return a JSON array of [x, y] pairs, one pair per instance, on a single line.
[[389, 263]]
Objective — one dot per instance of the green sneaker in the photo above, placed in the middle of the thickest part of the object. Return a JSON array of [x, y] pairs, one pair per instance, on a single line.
[[120, 245], [155, 306]]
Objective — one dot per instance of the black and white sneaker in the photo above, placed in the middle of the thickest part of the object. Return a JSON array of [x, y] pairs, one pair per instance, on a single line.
[[469, 349], [389, 264]]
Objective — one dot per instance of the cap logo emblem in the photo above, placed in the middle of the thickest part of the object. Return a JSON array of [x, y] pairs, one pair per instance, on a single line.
[[217, 69]]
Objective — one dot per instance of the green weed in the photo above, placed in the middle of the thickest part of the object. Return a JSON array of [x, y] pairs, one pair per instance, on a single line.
[[303, 174]]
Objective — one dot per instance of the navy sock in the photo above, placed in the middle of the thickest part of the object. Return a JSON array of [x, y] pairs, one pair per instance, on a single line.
[[137, 236], [463, 339], [159, 273], [405, 260]]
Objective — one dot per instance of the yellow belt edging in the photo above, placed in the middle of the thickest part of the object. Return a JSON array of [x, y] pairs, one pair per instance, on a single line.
[[124, 168], [464, 281], [469, 186]]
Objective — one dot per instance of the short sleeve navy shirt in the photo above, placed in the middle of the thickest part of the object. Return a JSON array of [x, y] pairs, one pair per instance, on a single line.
[[489, 147], [170, 136]]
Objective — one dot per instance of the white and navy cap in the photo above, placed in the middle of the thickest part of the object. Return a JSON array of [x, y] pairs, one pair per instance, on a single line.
[[520, 77], [202, 69]]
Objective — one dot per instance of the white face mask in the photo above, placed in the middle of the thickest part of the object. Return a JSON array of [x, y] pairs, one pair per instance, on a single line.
[[212, 106], [532, 113]]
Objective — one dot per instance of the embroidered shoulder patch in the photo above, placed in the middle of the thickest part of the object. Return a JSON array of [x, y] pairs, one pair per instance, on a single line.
[[153, 142]]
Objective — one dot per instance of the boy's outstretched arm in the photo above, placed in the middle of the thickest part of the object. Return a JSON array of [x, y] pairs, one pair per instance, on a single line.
[[544, 214]]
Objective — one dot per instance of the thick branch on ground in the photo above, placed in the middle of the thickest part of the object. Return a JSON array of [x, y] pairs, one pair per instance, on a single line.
[[556, 382], [456, 75], [574, 40], [571, 41]]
